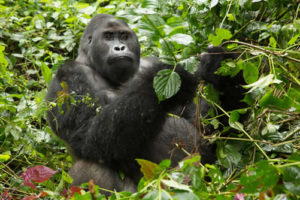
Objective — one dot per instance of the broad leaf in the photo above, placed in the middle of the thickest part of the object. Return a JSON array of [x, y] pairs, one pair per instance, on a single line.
[[174, 184], [250, 72], [147, 168], [262, 82], [221, 34], [291, 179], [38, 174], [182, 39], [4, 157], [185, 195], [166, 84], [46, 72]]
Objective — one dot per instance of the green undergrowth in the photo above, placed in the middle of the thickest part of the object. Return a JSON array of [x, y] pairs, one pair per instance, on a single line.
[[258, 150]]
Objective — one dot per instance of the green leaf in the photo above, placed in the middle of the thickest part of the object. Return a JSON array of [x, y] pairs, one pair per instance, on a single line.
[[46, 72], [211, 93], [293, 40], [263, 82], [152, 26], [291, 179], [184, 196], [66, 177], [181, 39], [272, 42], [234, 116], [215, 174], [174, 184], [190, 64], [221, 34], [250, 72], [228, 155], [231, 17], [263, 36], [213, 3], [236, 125], [150, 3], [155, 194], [294, 95], [147, 168], [175, 22], [295, 157], [4, 157], [268, 100], [168, 48], [3, 61], [261, 178], [166, 84], [230, 68], [189, 162]]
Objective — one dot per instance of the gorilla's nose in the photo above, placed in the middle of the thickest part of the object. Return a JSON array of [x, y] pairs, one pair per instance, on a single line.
[[119, 48]]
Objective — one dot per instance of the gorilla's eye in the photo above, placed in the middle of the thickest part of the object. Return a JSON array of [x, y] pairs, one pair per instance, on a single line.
[[124, 36], [109, 35]]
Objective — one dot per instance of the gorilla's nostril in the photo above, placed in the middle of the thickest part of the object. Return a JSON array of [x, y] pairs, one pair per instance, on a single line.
[[120, 48]]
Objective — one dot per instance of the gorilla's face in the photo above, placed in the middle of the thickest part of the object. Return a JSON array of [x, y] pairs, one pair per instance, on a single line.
[[114, 50]]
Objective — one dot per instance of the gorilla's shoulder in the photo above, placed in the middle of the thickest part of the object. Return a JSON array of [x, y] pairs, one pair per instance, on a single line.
[[70, 68]]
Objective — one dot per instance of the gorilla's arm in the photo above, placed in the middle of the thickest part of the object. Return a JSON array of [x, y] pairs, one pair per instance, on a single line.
[[230, 88], [123, 129]]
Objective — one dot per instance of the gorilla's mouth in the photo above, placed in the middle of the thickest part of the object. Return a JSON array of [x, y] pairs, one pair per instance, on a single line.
[[119, 59]]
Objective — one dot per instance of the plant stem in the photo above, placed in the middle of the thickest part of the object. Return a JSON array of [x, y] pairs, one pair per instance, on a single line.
[[263, 50]]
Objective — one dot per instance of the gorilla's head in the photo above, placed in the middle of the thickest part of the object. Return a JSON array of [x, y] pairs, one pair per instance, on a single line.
[[111, 48]]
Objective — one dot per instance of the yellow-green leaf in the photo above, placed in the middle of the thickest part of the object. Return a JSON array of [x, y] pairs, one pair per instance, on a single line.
[[147, 168]]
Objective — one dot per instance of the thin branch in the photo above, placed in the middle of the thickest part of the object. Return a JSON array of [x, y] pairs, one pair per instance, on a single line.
[[239, 139], [263, 50]]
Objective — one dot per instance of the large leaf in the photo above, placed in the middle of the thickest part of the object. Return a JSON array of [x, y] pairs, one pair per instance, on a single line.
[[250, 72], [166, 84], [180, 38], [228, 155], [38, 174], [147, 168], [185, 195], [46, 72], [291, 179], [176, 185], [221, 34], [262, 82], [190, 64], [156, 194], [261, 178]]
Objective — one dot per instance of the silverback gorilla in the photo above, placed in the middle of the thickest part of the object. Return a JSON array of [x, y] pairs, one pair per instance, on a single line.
[[123, 120]]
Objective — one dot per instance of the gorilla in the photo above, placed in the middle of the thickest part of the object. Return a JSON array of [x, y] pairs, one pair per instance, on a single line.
[[107, 111]]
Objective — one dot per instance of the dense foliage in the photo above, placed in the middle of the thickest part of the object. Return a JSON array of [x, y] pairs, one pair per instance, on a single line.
[[258, 151]]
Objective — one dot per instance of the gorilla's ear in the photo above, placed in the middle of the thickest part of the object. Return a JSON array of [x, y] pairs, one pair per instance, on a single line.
[[85, 44], [90, 39], [82, 58]]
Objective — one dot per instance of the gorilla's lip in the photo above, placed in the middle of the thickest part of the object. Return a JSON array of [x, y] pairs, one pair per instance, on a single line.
[[116, 59]]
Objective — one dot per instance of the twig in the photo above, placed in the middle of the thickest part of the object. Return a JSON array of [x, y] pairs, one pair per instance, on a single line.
[[286, 142], [263, 50], [292, 133], [228, 9], [287, 120], [240, 139]]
